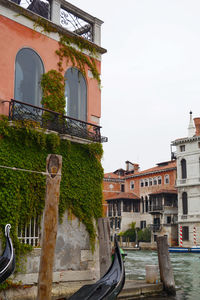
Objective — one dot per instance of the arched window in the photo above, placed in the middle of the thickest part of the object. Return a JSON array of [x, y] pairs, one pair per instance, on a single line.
[[183, 169], [159, 180], [167, 179], [28, 71], [185, 203], [141, 182], [150, 181], [155, 181], [76, 94]]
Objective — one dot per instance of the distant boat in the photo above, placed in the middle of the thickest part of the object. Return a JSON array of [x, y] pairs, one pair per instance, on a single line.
[[7, 260], [109, 286], [194, 249]]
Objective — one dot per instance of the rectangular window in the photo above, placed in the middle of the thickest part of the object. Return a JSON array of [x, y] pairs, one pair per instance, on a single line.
[[126, 205], [169, 219], [182, 148], [136, 206], [30, 234], [142, 224], [185, 233], [122, 188], [132, 185]]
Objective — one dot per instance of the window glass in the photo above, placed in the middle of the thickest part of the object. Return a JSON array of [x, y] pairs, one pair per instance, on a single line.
[[141, 183], [183, 169], [166, 179], [28, 71], [146, 182], [132, 185], [159, 180], [76, 94], [185, 233], [185, 203], [155, 181], [150, 181], [122, 188], [182, 148]]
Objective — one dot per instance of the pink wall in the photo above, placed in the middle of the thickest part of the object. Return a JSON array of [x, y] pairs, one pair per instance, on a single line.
[[13, 37]]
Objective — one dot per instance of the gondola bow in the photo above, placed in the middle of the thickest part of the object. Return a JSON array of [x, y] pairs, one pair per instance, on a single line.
[[7, 260], [109, 286]]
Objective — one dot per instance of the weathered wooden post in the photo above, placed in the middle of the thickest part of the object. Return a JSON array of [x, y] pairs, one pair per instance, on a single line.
[[50, 223], [166, 273], [104, 245]]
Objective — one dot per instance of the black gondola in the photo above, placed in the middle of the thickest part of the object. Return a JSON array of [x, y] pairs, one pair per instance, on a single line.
[[109, 286], [7, 260]]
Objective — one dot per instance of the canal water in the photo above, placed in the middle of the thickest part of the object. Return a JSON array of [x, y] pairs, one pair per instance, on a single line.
[[186, 269]]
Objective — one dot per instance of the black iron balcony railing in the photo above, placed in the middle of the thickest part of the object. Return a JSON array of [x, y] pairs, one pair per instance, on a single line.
[[47, 119], [155, 208], [155, 227]]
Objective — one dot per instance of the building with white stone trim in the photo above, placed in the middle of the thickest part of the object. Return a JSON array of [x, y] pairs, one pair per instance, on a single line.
[[188, 184]]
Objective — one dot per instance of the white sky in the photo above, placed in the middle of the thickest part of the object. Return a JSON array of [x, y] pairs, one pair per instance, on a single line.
[[150, 76]]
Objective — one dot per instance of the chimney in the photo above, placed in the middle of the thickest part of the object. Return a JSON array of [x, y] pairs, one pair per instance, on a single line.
[[136, 167], [197, 125], [191, 127]]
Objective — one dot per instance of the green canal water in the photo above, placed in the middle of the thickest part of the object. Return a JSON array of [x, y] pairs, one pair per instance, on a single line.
[[186, 269]]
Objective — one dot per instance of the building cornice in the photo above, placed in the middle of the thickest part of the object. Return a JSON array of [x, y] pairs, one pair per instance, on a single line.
[[114, 180], [185, 140], [151, 173]]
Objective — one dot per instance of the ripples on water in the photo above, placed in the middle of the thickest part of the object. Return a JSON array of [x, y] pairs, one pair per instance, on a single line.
[[186, 269]]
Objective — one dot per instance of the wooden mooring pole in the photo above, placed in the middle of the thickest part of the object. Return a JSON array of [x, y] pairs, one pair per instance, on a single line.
[[166, 272], [104, 245], [50, 223]]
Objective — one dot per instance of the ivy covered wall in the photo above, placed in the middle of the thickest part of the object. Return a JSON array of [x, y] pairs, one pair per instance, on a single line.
[[22, 194]]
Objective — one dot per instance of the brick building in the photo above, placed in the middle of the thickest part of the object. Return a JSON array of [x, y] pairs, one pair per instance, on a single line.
[[147, 197]]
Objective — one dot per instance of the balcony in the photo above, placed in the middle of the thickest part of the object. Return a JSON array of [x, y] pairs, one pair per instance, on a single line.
[[155, 209], [155, 227], [188, 181], [40, 117], [66, 15]]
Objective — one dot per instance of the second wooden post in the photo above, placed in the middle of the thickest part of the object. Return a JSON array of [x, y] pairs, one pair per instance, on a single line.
[[166, 273]]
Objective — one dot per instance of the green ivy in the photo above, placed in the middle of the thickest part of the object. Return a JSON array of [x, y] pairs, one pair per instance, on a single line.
[[22, 194], [53, 88]]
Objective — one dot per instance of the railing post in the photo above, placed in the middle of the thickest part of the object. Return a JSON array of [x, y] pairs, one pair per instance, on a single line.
[[55, 11]]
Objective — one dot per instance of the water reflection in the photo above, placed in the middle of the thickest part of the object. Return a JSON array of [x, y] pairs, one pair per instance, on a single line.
[[186, 268]]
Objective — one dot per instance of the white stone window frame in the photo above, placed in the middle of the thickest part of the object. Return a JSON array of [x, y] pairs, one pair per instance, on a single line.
[[159, 180], [132, 185], [150, 181], [166, 179], [182, 148]]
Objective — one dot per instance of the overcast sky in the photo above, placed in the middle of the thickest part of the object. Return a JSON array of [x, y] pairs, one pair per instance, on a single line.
[[150, 76]]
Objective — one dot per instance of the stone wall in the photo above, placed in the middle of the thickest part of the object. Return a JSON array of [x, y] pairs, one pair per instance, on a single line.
[[74, 265]]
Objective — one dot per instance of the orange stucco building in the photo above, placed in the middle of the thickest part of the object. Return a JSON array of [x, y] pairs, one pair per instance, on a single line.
[[18, 32], [157, 204]]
